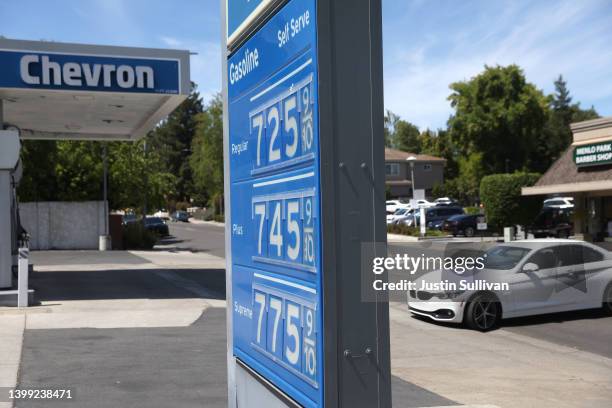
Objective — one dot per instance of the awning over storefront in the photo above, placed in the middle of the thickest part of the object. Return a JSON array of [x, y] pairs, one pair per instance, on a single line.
[[565, 177]]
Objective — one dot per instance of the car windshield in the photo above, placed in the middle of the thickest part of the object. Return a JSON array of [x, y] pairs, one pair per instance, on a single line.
[[400, 211], [504, 257]]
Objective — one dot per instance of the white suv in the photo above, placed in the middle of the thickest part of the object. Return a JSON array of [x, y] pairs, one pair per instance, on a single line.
[[559, 202]]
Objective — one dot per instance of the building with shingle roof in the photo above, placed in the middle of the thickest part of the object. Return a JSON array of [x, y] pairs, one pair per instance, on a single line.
[[584, 171], [428, 171]]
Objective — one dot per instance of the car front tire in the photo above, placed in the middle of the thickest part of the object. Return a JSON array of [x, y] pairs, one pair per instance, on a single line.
[[607, 300], [483, 312]]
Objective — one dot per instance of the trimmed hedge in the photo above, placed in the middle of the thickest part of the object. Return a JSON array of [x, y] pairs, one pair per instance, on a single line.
[[504, 205], [136, 236]]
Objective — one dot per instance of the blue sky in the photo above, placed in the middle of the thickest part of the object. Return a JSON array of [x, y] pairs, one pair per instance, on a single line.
[[427, 43]]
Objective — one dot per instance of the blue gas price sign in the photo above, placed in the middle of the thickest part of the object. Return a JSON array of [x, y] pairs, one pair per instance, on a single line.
[[275, 203]]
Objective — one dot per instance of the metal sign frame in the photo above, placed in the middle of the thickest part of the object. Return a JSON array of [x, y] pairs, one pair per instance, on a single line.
[[356, 332]]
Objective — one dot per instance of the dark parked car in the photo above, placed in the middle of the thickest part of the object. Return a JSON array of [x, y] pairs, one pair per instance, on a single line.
[[464, 224], [435, 224], [129, 218], [182, 216], [436, 215], [157, 225], [553, 222]]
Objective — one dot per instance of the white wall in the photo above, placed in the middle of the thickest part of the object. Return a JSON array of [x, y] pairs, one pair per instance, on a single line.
[[63, 225]]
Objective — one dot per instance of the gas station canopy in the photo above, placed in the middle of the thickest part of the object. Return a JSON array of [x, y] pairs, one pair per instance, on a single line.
[[61, 91]]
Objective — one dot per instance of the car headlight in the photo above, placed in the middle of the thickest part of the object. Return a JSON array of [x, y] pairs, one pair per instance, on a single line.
[[450, 295]]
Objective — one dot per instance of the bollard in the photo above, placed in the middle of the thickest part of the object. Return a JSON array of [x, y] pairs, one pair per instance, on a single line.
[[104, 243], [508, 234], [22, 275]]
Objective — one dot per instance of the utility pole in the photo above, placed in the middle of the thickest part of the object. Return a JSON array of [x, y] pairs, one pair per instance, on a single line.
[[105, 188], [146, 182]]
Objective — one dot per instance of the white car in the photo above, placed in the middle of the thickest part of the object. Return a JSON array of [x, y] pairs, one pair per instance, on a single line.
[[397, 215], [443, 201], [559, 202], [394, 205], [542, 276], [424, 203], [163, 214], [405, 217]]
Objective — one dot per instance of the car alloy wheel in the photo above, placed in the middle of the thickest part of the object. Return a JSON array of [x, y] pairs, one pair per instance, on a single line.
[[607, 300], [469, 232], [483, 312]]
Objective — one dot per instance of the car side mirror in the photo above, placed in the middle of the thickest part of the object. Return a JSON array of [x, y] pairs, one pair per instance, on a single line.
[[530, 267]]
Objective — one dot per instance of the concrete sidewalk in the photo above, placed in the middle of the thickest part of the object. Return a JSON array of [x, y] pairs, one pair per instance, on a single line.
[[11, 340], [124, 260]]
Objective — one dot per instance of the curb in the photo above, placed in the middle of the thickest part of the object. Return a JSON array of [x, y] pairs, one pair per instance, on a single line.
[[215, 223]]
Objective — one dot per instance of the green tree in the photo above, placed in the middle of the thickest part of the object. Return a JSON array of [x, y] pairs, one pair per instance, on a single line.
[[136, 177], [579, 114], [439, 144], [39, 181], [79, 171], [471, 171], [406, 137], [173, 139], [557, 132], [207, 157], [391, 120], [499, 115], [401, 134], [561, 100]]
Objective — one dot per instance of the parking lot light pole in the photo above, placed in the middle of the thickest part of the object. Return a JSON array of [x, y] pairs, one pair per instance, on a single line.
[[411, 160], [104, 242], [422, 231]]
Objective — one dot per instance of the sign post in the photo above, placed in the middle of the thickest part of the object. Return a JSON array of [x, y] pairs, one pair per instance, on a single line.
[[304, 186]]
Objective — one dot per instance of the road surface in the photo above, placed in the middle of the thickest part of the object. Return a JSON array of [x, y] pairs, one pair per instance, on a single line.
[[207, 237]]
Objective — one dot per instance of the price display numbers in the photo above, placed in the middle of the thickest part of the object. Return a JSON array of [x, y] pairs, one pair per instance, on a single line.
[[283, 129], [285, 227], [285, 330]]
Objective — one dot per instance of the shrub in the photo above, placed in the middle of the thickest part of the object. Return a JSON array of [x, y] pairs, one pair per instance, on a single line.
[[504, 205], [412, 231], [472, 210], [136, 236]]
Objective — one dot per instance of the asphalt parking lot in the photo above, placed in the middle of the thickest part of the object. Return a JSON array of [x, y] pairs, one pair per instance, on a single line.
[[129, 367]]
